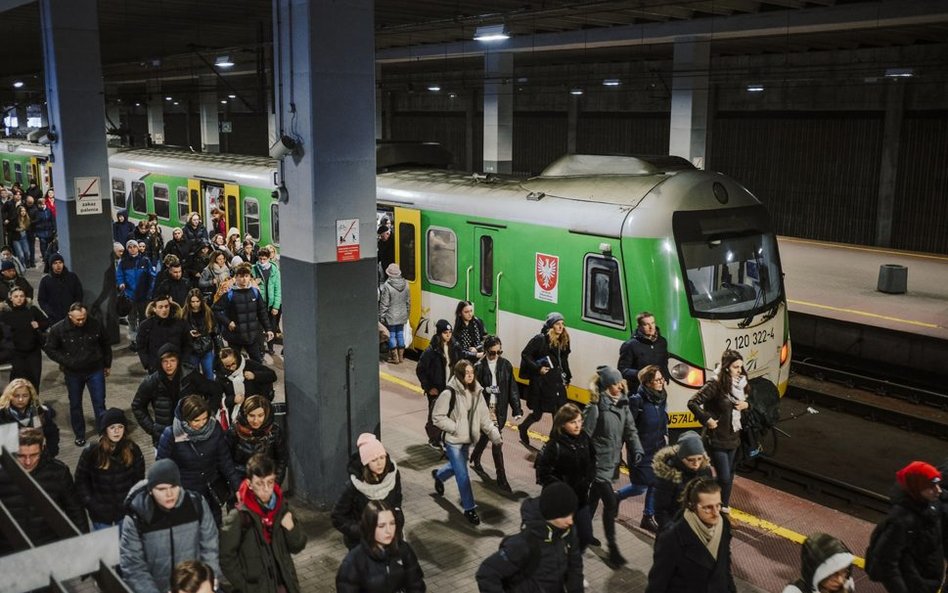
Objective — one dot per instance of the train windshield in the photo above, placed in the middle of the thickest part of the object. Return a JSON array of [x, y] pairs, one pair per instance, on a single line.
[[730, 261]]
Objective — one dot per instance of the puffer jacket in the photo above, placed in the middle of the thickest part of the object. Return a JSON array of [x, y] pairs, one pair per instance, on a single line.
[[469, 418], [371, 570], [671, 475], [54, 477], [650, 410], [137, 274], [568, 459], [243, 442], [682, 563], [249, 562], [638, 352], [57, 292], [558, 569], [162, 393], [201, 462], [547, 392], [103, 491], [43, 417], [347, 512], [154, 332], [20, 319], [247, 309], [712, 402], [394, 301], [195, 234], [270, 289], [910, 557], [155, 540], [508, 393], [79, 349], [610, 425], [176, 289]]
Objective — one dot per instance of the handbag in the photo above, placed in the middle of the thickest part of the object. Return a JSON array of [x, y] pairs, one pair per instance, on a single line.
[[202, 344], [220, 491], [123, 305]]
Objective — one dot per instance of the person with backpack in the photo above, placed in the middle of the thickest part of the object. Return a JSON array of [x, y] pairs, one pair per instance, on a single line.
[[906, 550], [545, 556], [164, 524], [259, 538], [826, 566], [461, 412], [242, 314]]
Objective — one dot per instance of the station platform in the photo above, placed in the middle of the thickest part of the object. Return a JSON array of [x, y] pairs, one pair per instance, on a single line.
[[838, 281]]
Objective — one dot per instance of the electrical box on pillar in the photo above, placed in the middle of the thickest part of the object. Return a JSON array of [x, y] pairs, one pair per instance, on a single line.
[[282, 147]]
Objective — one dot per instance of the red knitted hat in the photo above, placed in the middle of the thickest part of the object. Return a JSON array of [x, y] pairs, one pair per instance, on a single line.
[[917, 476]]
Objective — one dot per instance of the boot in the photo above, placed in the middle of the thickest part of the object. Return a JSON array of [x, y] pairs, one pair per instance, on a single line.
[[649, 523], [392, 357], [615, 558], [401, 355], [502, 482]]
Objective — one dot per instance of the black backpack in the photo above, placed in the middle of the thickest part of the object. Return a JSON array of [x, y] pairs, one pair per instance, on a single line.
[[510, 584]]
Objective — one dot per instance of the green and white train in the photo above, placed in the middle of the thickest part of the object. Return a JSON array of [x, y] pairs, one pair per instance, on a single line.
[[597, 238]]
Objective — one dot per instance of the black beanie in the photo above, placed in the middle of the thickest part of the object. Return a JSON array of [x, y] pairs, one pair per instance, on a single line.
[[557, 501], [164, 472], [112, 416], [442, 326]]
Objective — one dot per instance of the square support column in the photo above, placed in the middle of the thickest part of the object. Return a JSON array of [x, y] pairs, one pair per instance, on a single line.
[[498, 112], [689, 105], [210, 130], [156, 112]]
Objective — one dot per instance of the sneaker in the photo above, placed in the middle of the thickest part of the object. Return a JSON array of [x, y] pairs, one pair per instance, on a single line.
[[438, 484], [755, 452], [80, 442], [726, 510], [434, 445], [649, 523], [472, 517]]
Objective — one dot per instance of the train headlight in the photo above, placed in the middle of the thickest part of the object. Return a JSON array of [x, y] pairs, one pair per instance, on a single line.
[[784, 352], [685, 373]]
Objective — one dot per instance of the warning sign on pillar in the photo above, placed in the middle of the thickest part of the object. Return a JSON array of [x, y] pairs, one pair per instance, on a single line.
[[88, 195], [347, 240]]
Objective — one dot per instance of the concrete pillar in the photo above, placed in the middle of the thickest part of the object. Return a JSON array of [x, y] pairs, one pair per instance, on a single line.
[[379, 101], [689, 104], [330, 313], [21, 115], [498, 112], [210, 130], [156, 112], [889, 169], [572, 123], [469, 114], [73, 67]]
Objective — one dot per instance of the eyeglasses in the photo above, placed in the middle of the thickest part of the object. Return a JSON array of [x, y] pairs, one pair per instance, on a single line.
[[658, 380], [494, 352]]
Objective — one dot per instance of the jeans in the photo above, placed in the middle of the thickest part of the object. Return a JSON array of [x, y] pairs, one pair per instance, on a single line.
[[21, 249], [636, 489], [457, 467], [204, 362], [75, 382], [723, 462], [396, 336], [44, 246], [31, 244]]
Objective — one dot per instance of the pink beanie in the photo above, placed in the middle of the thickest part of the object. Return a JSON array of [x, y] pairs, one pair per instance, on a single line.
[[369, 447]]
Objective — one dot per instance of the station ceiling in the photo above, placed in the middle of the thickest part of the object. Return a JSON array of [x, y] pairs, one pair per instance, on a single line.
[[177, 39]]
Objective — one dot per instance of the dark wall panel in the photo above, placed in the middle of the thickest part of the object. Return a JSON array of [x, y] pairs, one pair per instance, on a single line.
[[818, 173], [181, 130], [444, 127], [920, 217], [622, 133], [249, 136], [539, 138]]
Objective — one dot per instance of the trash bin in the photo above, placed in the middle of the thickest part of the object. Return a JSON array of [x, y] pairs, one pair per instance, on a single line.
[[893, 279]]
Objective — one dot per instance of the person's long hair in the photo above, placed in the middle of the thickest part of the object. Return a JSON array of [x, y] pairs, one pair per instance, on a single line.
[[370, 520], [23, 217], [458, 318], [6, 399], [205, 314], [107, 451], [560, 342], [728, 358], [567, 413]]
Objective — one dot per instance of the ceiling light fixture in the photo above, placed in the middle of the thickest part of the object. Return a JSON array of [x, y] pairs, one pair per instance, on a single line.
[[611, 82], [576, 92], [899, 73], [491, 33], [18, 84], [223, 62], [168, 98], [755, 88], [231, 96], [223, 101], [434, 88]]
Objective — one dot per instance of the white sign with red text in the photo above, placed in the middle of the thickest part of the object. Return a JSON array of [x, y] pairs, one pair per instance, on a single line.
[[546, 285]]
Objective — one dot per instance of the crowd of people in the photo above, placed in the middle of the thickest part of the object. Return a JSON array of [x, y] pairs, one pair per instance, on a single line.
[[211, 509]]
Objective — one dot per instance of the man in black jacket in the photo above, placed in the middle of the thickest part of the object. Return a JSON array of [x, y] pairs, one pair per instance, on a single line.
[[80, 345], [242, 314], [174, 284], [545, 556], [162, 389], [53, 476], [163, 325], [645, 347], [10, 279], [58, 289]]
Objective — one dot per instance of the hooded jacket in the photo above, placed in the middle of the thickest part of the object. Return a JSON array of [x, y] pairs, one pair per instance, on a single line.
[[270, 289], [247, 309], [44, 221], [650, 410], [122, 231], [610, 425], [162, 393], [394, 301], [638, 352], [154, 333], [469, 418], [137, 274], [820, 558], [17, 281], [370, 570], [155, 540], [252, 563], [909, 553], [671, 475], [243, 442], [58, 291], [347, 512], [558, 567], [568, 459], [202, 456], [79, 349], [103, 491], [176, 289]]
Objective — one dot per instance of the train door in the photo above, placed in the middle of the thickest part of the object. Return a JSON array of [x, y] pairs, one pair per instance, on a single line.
[[231, 207], [408, 258], [482, 287], [213, 196], [195, 203], [46, 175]]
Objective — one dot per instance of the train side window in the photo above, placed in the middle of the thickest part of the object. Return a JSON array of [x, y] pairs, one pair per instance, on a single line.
[[161, 200], [195, 205], [487, 265], [602, 294], [275, 223], [119, 197], [138, 197], [18, 173], [442, 268], [184, 206], [232, 212], [406, 250], [7, 176], [252, 218]]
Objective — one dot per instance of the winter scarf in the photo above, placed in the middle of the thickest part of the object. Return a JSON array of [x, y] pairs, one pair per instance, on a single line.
[[266, 512], [709, 536], [237, 378], [220, 273], [655, 397], [376, 491], [184, 432], [737, 395], [28, 418]]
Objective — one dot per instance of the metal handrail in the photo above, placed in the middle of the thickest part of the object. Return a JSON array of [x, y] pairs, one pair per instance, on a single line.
[[497, 304]]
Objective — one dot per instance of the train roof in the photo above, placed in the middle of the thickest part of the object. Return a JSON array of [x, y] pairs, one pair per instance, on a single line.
[[235, 168], [20, 146]]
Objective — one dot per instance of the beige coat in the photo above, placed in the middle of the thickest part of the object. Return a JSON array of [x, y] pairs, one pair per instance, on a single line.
[[464, 425]]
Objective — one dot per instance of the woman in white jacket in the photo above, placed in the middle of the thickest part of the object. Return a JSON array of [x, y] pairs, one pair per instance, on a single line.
[[461, 412]]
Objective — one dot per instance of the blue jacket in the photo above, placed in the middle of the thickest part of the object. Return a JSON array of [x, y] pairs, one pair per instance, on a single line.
[[122, 231], [651, 419], [137, 275], [44, 223]]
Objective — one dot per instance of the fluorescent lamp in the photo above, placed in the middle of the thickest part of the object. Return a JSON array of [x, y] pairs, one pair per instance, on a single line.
[[755, 88], [18, 84], [168, 98], [138, 104], [899, 73], [223, 101], [231, 96], [434, 88], [577, 91], [452, 95], [223, 62], [611, 82], [491, 33], [175, 103]]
